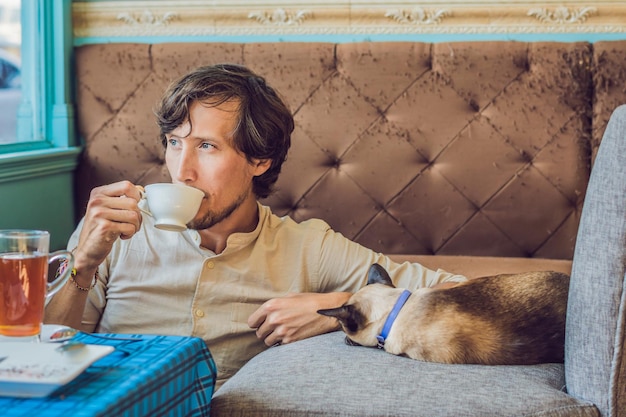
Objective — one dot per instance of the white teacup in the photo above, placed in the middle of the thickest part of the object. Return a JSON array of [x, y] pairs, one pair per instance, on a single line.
[[172, 205]]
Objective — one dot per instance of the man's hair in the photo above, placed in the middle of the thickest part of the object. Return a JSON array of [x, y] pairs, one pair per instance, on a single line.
[[264, 124]]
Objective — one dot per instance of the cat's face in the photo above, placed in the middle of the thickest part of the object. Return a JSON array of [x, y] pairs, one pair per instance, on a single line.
[[363, 316]]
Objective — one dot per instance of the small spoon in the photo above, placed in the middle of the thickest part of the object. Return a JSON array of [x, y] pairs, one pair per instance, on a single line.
[[70, 345], [57, 333], [63, 334]]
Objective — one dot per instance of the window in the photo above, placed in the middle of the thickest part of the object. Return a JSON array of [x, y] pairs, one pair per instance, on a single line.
[[44, 114], [10, 79]]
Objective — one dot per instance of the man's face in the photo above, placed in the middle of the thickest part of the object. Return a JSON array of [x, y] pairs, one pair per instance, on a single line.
[[202, 156]]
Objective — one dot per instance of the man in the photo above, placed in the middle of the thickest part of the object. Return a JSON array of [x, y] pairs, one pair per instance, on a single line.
[[240, 277]]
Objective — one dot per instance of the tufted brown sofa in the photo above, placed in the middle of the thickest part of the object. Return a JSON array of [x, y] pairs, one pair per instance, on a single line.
[[471, 149], [471, 157]]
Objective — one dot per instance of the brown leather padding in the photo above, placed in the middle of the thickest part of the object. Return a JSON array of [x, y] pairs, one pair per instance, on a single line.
[[482, 266], [478, 148]]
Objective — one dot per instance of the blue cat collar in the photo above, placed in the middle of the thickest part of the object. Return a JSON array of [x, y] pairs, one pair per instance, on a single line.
[[392, 317]]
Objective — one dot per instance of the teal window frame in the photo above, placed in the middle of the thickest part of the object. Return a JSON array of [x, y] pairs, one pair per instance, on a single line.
[[37, 170], [45, 122]]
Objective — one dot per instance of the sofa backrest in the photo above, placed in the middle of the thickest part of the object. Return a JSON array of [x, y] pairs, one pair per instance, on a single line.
[[478, 148], [595, 358]]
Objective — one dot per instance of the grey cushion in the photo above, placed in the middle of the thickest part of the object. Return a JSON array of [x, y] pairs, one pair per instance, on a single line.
[[595, 360], [324, 376]]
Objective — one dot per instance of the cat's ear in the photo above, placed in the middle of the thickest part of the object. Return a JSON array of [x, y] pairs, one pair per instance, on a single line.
[[340, 313], [378, 275], [347, 315]]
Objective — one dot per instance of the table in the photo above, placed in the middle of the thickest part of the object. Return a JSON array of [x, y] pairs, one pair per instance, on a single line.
[[146, 375]]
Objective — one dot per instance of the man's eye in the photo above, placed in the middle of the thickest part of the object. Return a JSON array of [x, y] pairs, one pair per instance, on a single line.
[[206, 145], [172, 142]]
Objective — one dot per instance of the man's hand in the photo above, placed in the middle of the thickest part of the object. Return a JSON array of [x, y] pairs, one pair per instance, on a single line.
[[112, 213], [294, 317]]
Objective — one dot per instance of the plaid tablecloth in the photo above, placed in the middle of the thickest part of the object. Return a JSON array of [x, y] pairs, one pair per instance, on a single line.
[[147, 376]]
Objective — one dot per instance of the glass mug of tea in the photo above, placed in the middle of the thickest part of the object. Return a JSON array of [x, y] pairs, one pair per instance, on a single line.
[[24, 287]]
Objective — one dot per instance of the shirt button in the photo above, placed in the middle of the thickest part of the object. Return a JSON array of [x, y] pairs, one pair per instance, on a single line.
[[210, 264], [199, 313]]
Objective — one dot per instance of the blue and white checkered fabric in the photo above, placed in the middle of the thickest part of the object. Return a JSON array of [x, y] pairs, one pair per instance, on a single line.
[[152, 376]]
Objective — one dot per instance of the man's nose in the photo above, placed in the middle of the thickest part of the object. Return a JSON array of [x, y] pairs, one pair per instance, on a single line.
[[187, 166]]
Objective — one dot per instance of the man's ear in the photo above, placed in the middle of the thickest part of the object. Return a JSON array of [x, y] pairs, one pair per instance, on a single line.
[[260, 166]]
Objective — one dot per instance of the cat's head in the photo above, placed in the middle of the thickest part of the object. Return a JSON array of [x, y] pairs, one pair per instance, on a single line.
[[362, 317]]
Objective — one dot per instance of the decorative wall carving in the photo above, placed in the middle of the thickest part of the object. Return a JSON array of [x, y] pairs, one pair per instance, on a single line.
[[418, 16], [563, 15], [147, 18], [112, 19], [280, 17]]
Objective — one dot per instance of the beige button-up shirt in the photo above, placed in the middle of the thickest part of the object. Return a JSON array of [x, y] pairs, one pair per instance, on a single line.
[[161, 282]]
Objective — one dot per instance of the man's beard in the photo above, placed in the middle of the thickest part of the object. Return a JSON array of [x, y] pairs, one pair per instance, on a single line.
[[212, 218]]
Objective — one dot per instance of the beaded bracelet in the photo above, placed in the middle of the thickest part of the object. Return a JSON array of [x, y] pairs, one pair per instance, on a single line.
[[73, 274]]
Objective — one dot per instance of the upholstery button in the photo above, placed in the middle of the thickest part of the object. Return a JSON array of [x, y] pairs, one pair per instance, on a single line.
[[199, 313], [210, 264]]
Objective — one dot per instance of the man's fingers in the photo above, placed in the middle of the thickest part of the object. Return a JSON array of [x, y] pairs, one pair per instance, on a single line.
[[118, 189], [262, 313], [272, 338]]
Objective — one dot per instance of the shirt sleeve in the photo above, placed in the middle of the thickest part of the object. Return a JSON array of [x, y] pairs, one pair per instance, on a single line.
[[344, 266]]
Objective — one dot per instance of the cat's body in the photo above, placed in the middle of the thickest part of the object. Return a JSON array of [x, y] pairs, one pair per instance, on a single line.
[[505, 319]]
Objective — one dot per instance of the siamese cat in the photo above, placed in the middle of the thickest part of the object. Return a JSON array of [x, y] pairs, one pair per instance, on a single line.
[[509, 319]]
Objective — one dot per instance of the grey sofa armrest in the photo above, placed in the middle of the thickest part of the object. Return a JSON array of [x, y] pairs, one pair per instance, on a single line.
[[595, 360]]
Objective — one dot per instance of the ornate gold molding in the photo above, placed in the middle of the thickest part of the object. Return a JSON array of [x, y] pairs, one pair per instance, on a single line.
[[297, 17], [280, 16], [418, 15], [147, 18], [563, 15]]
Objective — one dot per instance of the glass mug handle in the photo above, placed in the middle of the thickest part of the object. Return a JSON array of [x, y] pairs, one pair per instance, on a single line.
[[54, 286]]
